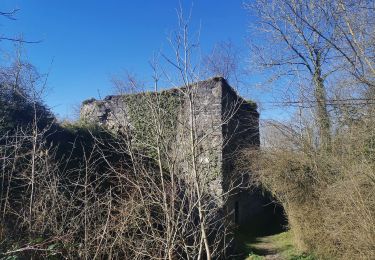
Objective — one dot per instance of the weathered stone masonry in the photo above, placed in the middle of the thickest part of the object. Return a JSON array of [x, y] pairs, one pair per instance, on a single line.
[[225, 123]]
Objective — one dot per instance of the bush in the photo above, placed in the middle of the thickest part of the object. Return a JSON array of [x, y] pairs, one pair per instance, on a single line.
[[328, 197]]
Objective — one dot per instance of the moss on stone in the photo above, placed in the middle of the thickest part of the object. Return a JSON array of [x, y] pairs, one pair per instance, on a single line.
[[88, 101], [252, 104], [149, 110]]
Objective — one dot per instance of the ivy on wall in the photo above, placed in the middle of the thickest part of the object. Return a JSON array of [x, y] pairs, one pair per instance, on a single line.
[[153, 115]]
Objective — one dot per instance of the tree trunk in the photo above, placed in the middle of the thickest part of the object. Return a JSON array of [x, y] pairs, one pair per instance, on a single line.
[[322, 115]]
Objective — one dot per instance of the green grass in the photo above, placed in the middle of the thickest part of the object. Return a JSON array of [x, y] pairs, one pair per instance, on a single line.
[[284, 244], [266, 235], [256, 248]]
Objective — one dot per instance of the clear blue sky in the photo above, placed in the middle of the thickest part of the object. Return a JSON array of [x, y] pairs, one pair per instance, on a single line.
[[88, 41]]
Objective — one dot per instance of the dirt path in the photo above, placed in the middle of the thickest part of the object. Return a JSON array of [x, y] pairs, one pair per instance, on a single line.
[[266, 248], [274, 247]]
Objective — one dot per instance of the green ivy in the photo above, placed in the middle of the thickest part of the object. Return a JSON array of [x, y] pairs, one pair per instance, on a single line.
[[146, 111]]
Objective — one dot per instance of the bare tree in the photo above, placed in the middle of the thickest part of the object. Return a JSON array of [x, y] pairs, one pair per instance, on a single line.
[[292, 49], [327, 44], [353, 23], [144, 187], [174, 154], [225, 61]]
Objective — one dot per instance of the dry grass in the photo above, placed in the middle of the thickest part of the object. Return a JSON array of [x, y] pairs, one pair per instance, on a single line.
[[328, 196]]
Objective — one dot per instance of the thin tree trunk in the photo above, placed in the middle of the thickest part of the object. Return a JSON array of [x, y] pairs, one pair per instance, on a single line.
[[323, 119], [196, 178]]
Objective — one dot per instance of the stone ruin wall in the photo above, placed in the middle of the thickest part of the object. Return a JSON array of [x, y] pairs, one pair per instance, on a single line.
[[229, 122]]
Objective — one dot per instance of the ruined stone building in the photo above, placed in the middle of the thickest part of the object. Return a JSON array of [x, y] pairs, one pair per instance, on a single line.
[[225, 124]]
